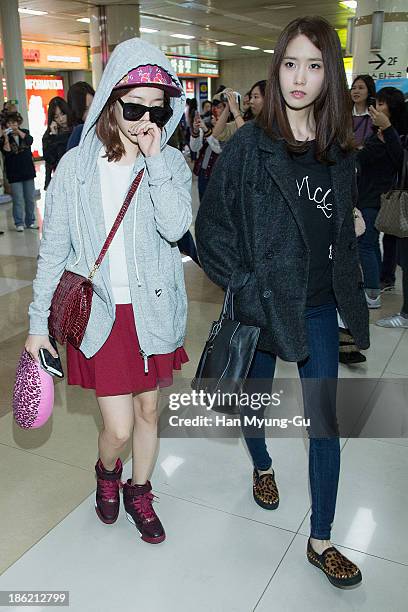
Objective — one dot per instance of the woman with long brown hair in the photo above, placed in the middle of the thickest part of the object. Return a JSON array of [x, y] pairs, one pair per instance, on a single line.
[[276, 224], [60, 124], [134, 338]]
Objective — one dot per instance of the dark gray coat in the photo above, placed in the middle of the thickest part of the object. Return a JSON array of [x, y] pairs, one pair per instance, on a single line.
[[249, 221]]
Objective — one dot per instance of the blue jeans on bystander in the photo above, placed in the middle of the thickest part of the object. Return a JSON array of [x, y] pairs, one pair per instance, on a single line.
[[23, 203]]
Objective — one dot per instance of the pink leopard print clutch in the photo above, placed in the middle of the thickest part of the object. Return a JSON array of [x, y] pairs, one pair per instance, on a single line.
[[33, 396]]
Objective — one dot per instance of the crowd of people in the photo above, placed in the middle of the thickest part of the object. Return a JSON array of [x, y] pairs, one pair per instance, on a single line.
[[278, 224]]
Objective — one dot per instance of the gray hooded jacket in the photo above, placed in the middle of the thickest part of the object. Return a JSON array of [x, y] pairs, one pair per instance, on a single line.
[[74, 228]]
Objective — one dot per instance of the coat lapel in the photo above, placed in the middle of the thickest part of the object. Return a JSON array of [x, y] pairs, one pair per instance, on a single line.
[[341, 176], [278, 165]]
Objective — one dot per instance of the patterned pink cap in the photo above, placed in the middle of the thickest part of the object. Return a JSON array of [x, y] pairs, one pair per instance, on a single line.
[[150, 76]]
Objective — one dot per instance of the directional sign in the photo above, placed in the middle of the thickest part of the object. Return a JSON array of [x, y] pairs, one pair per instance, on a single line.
[[380, 61]]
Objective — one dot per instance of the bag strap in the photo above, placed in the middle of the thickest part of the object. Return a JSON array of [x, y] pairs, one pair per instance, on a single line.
[[404, 171], [227, 311], [132, 190]]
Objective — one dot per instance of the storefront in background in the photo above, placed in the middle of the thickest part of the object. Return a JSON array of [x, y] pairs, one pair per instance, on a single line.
[[195, 75], [52, 57]]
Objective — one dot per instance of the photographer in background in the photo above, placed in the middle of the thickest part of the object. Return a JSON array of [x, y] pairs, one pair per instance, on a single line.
[[226, 126], [15, 144]]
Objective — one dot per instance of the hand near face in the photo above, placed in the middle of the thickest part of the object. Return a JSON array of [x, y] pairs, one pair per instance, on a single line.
[[53, 127], [148, 138], [232, 102], [379, 118], [197, 123]]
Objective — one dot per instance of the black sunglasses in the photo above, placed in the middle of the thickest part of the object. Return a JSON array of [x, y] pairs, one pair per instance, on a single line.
[[159, 115]]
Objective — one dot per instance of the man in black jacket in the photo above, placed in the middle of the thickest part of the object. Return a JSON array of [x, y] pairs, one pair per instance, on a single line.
[[16, 147]]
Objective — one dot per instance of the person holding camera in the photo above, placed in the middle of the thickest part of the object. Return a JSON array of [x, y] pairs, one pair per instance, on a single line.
[[15, 144], [225, 129]]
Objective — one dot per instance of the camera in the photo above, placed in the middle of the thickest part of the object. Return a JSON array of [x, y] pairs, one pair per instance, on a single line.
[[224, 98], [8, 130]]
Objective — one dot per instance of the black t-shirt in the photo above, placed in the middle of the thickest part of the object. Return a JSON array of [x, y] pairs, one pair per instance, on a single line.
[[313, 187]]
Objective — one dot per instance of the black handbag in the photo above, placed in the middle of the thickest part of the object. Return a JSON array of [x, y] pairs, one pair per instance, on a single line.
[[227, 357], [393, 214]]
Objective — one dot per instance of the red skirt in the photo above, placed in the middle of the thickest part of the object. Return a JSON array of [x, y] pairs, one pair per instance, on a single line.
[[118, 368]]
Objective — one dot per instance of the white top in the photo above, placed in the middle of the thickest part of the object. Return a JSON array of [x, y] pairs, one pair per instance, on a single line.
[[115, 182], [356, 114]]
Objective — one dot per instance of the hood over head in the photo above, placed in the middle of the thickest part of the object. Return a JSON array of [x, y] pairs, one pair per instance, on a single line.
[[125, 58]]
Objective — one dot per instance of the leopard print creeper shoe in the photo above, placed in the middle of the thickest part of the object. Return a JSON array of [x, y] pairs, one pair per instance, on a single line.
[[340, 571], [265, 491]]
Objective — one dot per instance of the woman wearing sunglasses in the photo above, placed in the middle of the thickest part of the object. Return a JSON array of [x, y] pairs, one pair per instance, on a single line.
[[134, 338]]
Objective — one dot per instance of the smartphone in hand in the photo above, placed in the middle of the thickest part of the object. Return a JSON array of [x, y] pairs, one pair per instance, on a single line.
[[371, 101], [52, 365]]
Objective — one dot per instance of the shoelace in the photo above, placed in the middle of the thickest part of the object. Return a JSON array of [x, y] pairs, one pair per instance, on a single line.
[[143, 505], [108, 488]]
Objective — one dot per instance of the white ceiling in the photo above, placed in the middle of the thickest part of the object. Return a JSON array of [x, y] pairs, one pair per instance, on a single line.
[[244, 22]]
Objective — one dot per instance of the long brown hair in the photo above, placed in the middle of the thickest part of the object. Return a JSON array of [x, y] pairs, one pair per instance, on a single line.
[[332, 107], [107, 128]]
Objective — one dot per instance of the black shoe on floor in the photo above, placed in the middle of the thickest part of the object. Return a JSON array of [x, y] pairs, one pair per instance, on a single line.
[[352, 358]]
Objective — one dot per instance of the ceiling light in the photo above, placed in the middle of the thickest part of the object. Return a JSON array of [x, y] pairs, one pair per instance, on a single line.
[[250, 48], [183, 36], [281, 6], [269, 50], [225, 44], [349, 4], [27, 11], [148, 30], [84, 20]]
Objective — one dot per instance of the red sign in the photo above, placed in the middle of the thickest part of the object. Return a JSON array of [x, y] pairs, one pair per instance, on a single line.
[[40, 89], [31, 55], [189, 87]]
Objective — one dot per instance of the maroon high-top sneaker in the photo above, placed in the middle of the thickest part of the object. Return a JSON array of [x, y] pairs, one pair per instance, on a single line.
[[138, 501], [107, 492]]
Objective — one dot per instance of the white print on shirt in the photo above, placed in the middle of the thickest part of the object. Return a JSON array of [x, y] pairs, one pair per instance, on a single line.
[[331, 251], [325, 207]]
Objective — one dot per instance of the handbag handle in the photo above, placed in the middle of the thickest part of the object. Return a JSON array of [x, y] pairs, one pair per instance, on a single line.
[[227, 311], [404, 170], [132, 190]]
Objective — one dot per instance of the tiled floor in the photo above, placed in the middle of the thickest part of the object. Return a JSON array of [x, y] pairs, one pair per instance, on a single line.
[[223, 552]]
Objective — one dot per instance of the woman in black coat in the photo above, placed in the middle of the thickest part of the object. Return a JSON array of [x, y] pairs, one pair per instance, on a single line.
[[277, 223], [56, 136]]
